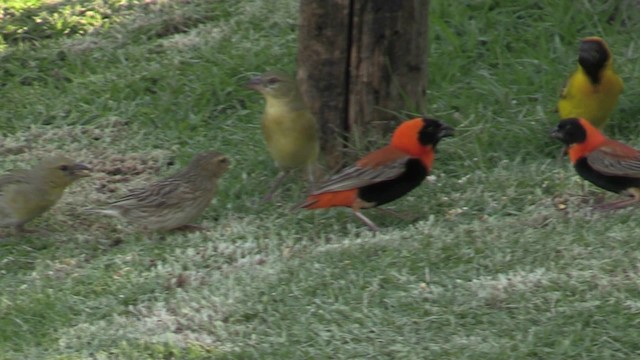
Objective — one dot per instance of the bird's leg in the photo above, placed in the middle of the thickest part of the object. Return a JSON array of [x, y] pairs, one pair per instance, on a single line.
[[615, 205], [401, 215], [276, 183], [365, 220], [311, 175], [191, 228], [20, 229], [562, 154]]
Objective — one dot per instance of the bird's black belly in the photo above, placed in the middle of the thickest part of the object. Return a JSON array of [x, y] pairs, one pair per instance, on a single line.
[[611, 183], [389, 190]]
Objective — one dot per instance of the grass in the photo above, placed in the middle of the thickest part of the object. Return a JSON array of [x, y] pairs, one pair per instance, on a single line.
[[504, 259]]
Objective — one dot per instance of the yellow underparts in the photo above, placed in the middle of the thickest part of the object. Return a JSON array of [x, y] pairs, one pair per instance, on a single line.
[[290, 135], [595, 103], [27, 202]]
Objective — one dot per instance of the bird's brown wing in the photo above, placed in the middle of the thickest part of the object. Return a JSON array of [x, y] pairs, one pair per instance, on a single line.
[[615, 161], [357, 176], [162, 193]]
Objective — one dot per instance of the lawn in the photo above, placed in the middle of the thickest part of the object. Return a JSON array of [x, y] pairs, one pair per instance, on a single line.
[[503, 260]]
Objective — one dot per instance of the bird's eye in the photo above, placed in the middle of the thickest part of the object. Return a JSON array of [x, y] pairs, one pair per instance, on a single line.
[[272, 81], [223, 161], [64, 167]]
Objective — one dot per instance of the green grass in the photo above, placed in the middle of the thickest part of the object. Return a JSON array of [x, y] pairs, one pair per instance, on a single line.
[[490, 268]]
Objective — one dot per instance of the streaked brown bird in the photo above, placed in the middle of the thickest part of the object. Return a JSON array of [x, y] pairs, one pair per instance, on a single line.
[[289, 129], [173, 202], [26, 194]]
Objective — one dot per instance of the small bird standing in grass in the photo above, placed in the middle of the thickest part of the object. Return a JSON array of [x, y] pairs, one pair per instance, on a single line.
[[174, 202], [26, 194], [385, 174], [592, 91], [604, 162], [289, 129]]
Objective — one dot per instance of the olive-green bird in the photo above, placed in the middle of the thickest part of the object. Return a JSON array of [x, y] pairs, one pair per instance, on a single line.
[[26, 194], [290, 130], [173, 202]]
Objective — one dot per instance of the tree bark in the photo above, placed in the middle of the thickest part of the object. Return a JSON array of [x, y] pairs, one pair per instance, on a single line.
[[361, 65]]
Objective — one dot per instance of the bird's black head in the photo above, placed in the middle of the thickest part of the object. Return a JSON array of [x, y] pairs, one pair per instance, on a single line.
[[593, 56], [570, 131], [433, 131]]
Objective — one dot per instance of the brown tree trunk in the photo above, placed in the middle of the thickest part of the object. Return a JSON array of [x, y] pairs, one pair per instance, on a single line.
[[361, 64]]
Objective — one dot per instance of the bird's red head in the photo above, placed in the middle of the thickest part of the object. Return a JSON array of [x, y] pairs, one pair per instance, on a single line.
[[592, 131], [580, 136], [419, 135]]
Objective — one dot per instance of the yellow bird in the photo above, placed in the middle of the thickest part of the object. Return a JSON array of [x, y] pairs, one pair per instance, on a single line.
[[592, 91], [289, 129], [26, 194]]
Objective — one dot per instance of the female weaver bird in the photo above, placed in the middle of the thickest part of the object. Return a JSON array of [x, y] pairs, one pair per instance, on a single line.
[[289, 129], [604, 162], [385, 174], [173, 202], [26, 194], [592, 91]]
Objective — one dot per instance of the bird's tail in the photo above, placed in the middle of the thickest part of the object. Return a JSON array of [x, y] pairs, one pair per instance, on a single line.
[[309, 201], [110, 212]]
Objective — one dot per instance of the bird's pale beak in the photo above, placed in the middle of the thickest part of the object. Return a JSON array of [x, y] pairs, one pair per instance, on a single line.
[[254, 83], [81, 170]]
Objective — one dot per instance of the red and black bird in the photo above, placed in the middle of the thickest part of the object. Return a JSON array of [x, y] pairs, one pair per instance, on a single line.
[[606, 163], [386, 174]]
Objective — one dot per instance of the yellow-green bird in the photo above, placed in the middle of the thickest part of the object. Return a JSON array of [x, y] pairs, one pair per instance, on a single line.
[[592, 91], [289, 129], [26, 194], [175, 201]]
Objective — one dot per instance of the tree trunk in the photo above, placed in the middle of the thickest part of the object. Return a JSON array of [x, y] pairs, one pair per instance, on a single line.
[[361, 65]]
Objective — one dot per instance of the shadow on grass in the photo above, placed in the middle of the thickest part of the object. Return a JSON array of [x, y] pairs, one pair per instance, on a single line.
[[28, 22]]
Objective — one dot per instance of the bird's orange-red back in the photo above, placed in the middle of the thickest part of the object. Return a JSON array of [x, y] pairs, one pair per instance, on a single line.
[[594, 140], [405, 138]]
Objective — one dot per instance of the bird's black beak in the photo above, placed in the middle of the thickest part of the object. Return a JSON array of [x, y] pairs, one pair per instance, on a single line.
[[81, 170], [445, 131], [556, 134]]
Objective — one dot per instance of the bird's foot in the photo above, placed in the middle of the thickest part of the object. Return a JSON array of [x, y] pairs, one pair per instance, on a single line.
[[21, 230], [372, 226], [191, 228], [405, 215], [274, 186], [266, 198], [615, 205]]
